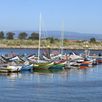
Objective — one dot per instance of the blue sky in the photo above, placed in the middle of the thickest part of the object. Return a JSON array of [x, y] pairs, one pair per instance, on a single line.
[[78, 15]]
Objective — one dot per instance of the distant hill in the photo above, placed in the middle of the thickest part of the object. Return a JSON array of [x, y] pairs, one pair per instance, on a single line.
[[74, 35], [67, 35]]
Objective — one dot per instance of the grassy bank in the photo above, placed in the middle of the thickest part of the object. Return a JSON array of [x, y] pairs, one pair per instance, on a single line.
[[45, 43]]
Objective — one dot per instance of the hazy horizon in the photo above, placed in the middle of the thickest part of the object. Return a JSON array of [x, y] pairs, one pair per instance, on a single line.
[[67, 35]]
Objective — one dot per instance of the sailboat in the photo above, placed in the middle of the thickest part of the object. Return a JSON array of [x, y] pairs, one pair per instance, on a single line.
[[41, 64], [60, 63]]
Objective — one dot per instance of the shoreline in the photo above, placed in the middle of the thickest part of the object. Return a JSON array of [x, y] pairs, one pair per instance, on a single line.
[[32, 47], [46, 44]]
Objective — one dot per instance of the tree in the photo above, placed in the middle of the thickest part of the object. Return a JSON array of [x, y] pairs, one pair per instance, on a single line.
[[92, 40], [10, 35], [23, 35], [2, 35], [34, 36], [51, 39]]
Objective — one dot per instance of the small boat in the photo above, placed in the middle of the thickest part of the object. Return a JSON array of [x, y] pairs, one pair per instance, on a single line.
[[43, 65], [57, 66], [83, 67], [60, 64], [14, 68], [99, 60], [73, 56], [39, 63], [27, 67], [85, 64], [91, 59], [3, 68]]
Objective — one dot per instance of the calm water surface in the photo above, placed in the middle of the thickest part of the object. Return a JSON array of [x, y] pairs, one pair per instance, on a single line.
[[84, 85], [73, 85], [34, 51]]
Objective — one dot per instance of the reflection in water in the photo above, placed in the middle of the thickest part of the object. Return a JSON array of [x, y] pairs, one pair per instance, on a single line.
[[59, 75], [11, 76], [73, 85], [49, 71], [66, 74], [14, 76], [71, 74]]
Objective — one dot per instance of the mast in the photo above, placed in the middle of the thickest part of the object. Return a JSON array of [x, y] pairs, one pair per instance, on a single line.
[[62, 37], [39, 37]]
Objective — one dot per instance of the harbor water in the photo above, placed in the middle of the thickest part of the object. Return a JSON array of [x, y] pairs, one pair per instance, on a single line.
[[67, 85]]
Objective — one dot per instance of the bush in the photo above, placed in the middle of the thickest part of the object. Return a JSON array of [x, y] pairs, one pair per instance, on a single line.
[[92, 40]]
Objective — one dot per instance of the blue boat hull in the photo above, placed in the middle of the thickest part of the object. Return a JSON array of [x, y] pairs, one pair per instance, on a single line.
[[27, 68]]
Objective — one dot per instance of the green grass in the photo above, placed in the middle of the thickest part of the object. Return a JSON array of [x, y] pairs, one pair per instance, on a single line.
[[45, 43]]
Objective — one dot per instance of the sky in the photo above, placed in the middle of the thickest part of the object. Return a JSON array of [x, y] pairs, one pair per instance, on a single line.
[[77, 15]]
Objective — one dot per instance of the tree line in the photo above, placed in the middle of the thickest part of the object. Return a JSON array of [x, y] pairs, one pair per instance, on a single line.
[[21, 35], [33, 36]]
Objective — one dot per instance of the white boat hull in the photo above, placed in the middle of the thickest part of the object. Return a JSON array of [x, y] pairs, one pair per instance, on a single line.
[[14, 68]]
